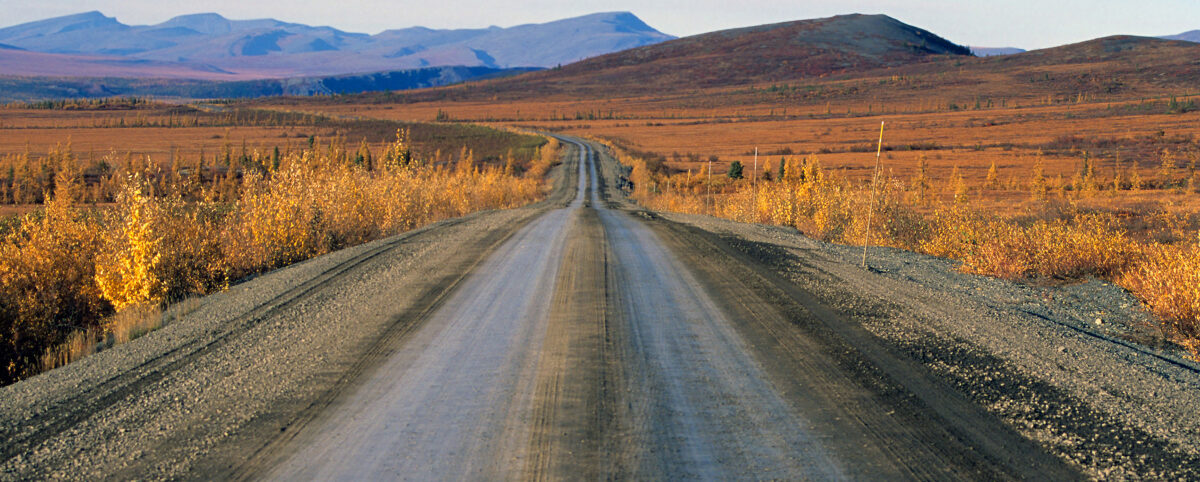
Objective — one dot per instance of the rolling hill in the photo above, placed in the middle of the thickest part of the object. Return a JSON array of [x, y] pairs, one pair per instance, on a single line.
[[778, 51], [1128, 60]]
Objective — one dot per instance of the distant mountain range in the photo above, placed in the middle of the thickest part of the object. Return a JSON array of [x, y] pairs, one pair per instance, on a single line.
[[209, 46], [994, 51], [1189, 36], [41, 88]]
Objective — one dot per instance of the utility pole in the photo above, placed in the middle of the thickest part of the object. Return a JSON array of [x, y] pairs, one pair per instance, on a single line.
[[871, 209]]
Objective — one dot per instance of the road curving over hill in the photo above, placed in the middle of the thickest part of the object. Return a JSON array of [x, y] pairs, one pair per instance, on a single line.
[[584, 337]]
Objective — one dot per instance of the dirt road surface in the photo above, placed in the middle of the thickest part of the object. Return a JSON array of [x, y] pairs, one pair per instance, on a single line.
[[586, 338]]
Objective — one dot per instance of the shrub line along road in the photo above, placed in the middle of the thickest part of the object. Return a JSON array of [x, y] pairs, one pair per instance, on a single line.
[[586, 338]]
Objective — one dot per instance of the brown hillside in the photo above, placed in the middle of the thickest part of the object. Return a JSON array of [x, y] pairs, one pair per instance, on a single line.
[[767, 53], [1106, 69], [1115, 48], [770, 52]]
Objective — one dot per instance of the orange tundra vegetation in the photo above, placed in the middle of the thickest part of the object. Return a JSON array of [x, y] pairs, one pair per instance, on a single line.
[[65, 269], [1155, 255]]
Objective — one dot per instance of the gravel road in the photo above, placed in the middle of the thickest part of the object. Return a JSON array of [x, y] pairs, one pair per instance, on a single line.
[[586, 347], [586, 338]]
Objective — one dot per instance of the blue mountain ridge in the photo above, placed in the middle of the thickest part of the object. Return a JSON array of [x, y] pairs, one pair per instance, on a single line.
[[279, 49]]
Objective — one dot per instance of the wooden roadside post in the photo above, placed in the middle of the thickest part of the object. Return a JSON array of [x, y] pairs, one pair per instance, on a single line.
[[754, 182], [871, 208], [711, 206]]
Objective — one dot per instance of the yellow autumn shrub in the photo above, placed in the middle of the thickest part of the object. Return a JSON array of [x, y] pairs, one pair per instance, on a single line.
[[127, 269], [158, 248], [1168, 281], [47, 280]]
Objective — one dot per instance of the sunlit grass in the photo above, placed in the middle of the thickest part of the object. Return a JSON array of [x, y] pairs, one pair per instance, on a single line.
[[1153, 254]]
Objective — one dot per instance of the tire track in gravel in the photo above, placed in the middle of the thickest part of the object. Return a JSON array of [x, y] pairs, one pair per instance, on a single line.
[[575, 401]]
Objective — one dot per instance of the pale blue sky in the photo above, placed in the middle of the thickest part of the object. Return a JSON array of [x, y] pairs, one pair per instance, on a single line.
[[1019, 23]]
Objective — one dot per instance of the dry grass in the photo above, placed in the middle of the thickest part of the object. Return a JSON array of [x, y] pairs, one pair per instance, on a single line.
[[162, 135], [132, 322], [78, 344], [125, 325], [66, 269]]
